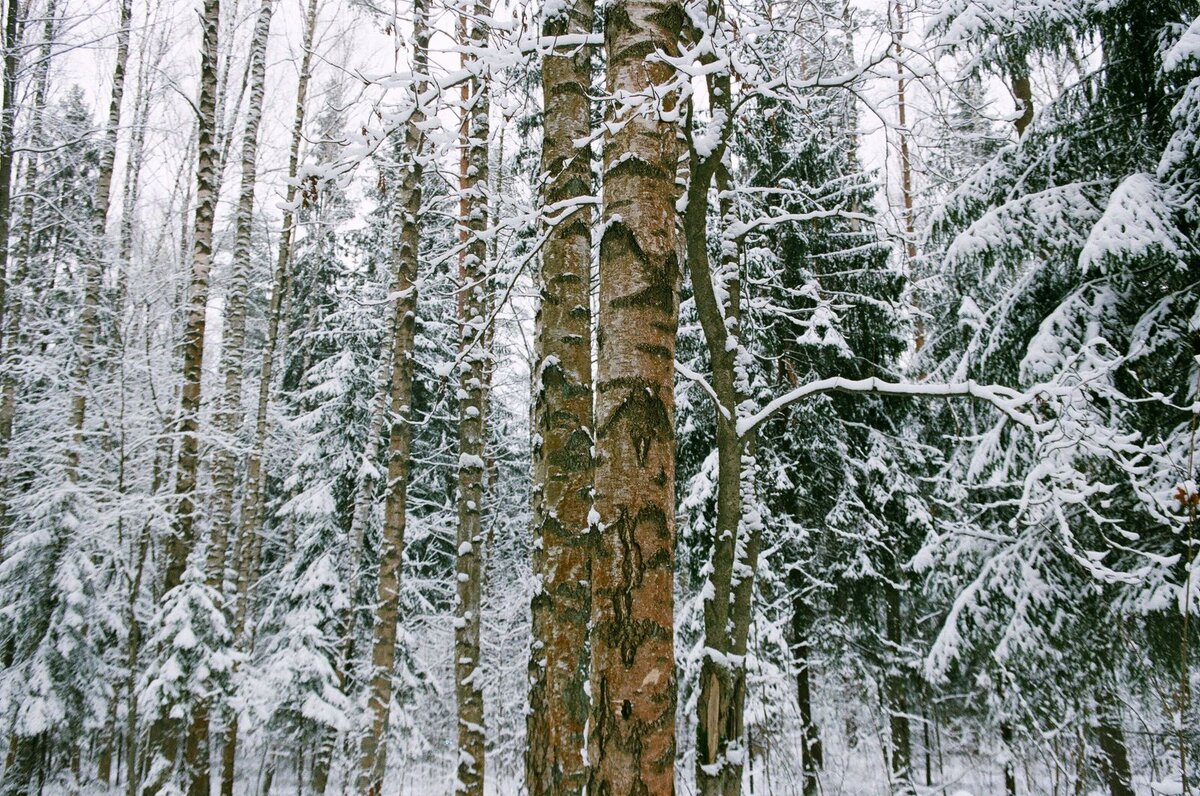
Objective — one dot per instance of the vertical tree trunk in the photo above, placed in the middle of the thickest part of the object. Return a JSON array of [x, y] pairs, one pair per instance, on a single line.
[[1114, 756], [405, 256], [562, 424], [248, 546], [8, 113], [473, 304], [906, 170], [9, 279], [1010, 771], [895, 686], [720, 751], [93, 273], [182, 539], [233, 338], [632, 743], [812, 758]]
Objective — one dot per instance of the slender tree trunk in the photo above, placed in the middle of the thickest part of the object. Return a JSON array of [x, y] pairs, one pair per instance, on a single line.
[[562, 423], [632, 743], [10, 278], [94, 271], [906, 170], [405, 257], [896, 694], [8, 118], [720, 750], [182, 539], [233, 338], [249, 532], [473, 307], [812, 758]]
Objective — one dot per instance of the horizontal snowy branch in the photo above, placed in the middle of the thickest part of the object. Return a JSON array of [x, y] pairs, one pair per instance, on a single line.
[[1005, 399]]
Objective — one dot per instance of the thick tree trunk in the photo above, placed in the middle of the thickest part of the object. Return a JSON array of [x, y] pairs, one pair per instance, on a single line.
[[405, 256], [473, 309], [812, 758], [632, 743], [94, 271], [562, 424], [1114, 755]]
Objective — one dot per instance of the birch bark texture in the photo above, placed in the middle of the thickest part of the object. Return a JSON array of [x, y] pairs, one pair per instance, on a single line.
[[233, 336], [473, 369], [94, 272], [632, 745], [563, 421], [405, 255], [182, 539]]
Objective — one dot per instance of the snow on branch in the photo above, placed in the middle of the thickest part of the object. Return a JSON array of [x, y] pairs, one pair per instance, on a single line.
[[1007, 400]]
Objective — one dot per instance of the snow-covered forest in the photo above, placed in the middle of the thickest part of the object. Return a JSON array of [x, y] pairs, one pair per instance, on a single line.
[[606, 397]]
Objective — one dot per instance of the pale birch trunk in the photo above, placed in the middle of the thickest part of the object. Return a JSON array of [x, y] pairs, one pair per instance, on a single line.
[[405, 256], [8, 111], [182, 539], [233, 337], [248, 547], [89, 319], [633, 686], [473, 367], [10, 278], [563, 422]]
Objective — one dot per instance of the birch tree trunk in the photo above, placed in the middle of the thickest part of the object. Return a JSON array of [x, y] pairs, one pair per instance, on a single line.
[[563, 423], [233, 337], [249, 532], [632, 743], [8, 111], [405, 256], [8, 279], [182, 540], [906, 169], [473, 305], [94, 271]]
